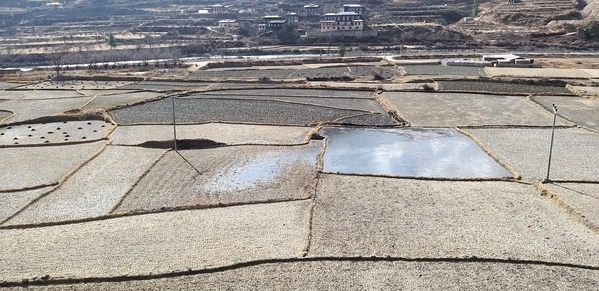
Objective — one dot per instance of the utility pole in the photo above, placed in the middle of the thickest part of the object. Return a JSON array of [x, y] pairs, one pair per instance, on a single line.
[[175, 136], [551, 145]]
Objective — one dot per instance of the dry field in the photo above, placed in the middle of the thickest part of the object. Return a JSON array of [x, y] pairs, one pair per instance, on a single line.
[[31, 167], [512, 223], [94, 189], [121, 209], [454, 109], [230, 134]]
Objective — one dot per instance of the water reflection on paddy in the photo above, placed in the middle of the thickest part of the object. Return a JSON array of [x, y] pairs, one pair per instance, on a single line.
[[410, 152]]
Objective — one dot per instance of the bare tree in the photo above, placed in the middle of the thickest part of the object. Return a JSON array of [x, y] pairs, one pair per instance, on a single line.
[[59, 58]]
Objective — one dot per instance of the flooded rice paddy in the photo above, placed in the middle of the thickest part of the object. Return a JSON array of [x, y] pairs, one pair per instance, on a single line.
[[410, 152]]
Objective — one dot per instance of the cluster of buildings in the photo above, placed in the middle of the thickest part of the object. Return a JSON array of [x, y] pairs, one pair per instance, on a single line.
[[350, 19]]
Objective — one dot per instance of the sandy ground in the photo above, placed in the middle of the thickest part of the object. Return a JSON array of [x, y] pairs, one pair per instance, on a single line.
[[582, 111], [156, 243], [23, 112], [455, 109], [27, 167], [366, 274], [363, 216], [494, 72], [527, 150], [12, 202], [582, 199], [16, 94], [94, 189], [116, 100], [231, 134]]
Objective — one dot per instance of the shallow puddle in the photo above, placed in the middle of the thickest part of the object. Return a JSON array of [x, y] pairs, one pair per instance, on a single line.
[[411, 152], [263, 169]]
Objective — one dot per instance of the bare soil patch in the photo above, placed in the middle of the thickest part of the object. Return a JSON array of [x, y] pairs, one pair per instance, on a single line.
[[12, 202], [230, 175], [118, 100], [43, 108], [456, 109], [8, 94], [27, 167], [94, 189], [582, 111], [527, 150], [367, 216], [51, 94], [156, 243], [231, 134]]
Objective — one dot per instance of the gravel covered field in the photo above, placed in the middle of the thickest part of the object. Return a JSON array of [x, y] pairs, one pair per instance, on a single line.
[[111, 101], [51, 94], [25, 167], [12, 202], [156, 243], [43, 108], [225, 110], [440, 70], [230, 175], [499, 88], [53, 132], [527, 150], [231, 134], [94, 189], [283, 92], [582, 111], [366, 216], [457, 109]]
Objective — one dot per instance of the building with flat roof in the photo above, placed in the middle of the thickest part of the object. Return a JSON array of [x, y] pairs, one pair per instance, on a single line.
[[354, 8], [312, 9], [342, 21]]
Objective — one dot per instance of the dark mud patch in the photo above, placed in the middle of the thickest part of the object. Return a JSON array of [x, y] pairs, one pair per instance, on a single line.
[[182, 144]]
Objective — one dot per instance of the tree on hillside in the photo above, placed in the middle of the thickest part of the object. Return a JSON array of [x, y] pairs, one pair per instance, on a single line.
[[341, 51], [475, 8], [59, 58], [111, 41]]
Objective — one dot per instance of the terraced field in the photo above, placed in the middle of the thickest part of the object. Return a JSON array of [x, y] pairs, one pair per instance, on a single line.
[[294, 185]]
